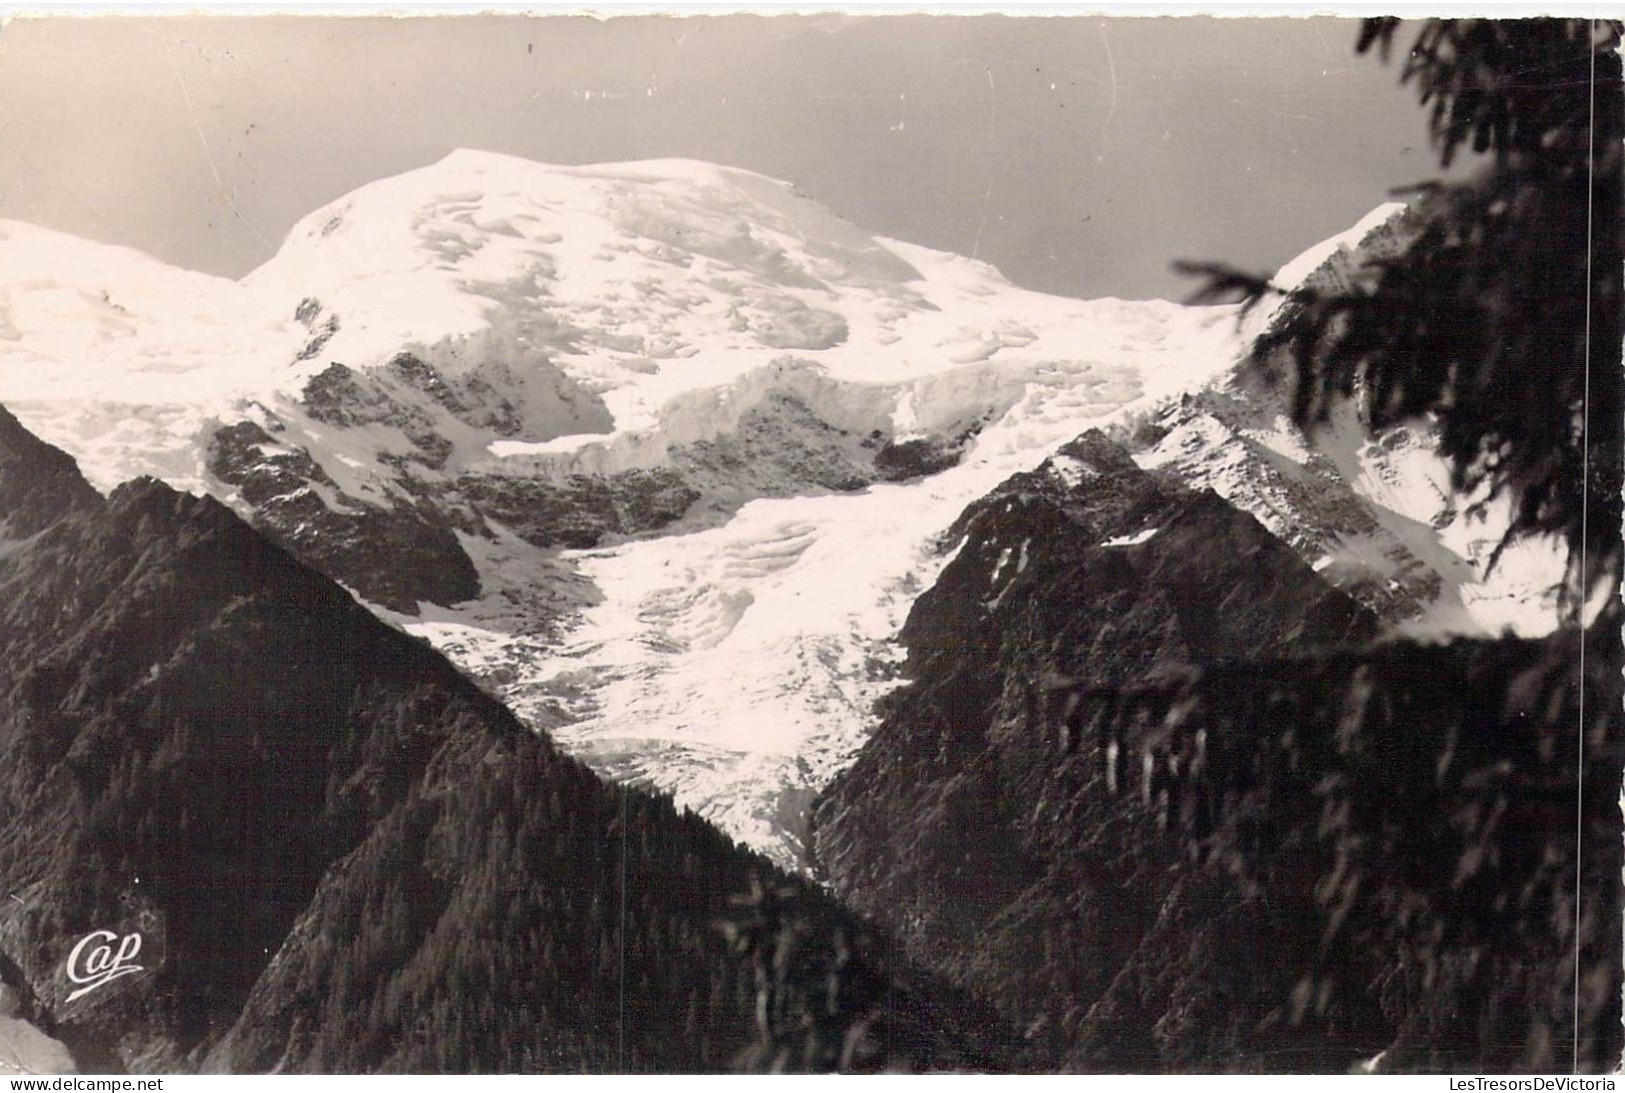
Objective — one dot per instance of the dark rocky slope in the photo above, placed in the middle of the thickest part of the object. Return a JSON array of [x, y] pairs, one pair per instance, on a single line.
[[1086, 566], [341, 854], [1027, 825], [424, 477]]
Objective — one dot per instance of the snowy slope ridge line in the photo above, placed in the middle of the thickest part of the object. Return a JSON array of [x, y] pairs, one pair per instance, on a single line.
[[1375, 515], [1335, 255], [660, 452]]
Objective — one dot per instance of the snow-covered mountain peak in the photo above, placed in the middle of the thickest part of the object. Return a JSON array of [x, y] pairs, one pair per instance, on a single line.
[[661, 452], [475, 196], [1335, 257], [1375, 515], [660, 449], [644, 281], [627, 285], [580, 244]]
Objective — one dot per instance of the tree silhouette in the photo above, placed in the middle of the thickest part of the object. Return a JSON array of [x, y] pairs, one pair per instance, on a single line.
[[817, 998], [1501, 320]]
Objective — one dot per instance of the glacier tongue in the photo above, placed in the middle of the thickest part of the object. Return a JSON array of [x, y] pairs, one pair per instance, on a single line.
[[737, 666]]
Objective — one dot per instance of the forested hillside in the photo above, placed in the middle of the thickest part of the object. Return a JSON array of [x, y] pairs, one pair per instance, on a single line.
[[341, 854]]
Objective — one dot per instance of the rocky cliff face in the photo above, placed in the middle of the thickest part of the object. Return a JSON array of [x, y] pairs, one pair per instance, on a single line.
[[1088, 568], [397, 538], [1315, 493], [1374, 516], [1148, 790], [339, 854]]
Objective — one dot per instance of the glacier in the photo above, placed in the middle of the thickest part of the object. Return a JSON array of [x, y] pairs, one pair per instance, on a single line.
[[515, 325]]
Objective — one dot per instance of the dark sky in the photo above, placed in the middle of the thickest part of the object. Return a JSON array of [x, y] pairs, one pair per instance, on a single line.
[[1081, 155]]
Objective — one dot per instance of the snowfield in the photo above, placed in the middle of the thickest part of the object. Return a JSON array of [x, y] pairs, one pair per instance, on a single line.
[[620, 316]]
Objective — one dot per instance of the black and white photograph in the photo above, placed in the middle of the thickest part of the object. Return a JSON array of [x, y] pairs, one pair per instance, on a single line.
[[749, 541]]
